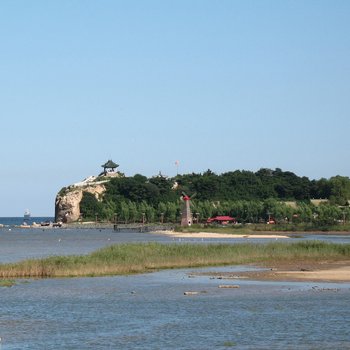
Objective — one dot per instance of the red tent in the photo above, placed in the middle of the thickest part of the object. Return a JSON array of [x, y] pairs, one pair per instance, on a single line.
[[221, 220]]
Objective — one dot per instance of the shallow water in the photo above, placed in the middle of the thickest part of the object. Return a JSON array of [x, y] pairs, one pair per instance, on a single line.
[[18, 244], [151, 312]]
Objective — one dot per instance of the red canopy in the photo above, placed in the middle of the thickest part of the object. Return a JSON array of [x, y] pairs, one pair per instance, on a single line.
[[221, 219]]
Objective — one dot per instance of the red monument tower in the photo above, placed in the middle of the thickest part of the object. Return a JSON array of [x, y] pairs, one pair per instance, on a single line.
[[186, 215]]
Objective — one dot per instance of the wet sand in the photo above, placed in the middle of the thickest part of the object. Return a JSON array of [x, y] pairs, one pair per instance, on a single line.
[[295, 271], [331, 274]]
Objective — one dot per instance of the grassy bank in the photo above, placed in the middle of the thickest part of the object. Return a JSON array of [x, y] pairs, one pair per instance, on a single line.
[[139, 258], [256, 228], [231, 229]]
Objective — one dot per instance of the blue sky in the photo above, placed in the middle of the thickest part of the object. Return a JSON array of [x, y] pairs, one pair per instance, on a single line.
[[223, 85]]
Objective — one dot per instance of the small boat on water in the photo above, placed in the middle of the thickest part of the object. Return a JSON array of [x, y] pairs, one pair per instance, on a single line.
[[26, 215], [26, 219]]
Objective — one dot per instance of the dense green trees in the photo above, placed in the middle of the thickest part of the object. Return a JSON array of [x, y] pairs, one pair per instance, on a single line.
[[265, 183], [339, 190], [248, 196]]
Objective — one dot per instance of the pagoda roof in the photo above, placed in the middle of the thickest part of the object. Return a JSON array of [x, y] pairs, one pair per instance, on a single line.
[[110, 164]]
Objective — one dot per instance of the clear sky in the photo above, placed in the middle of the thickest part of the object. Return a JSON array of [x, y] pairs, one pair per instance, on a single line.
[[223, 85]]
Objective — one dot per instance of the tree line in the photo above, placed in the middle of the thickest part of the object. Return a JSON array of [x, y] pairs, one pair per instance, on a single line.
[[245, 195]]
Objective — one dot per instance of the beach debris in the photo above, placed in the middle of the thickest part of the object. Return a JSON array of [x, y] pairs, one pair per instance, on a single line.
[[228, 286]]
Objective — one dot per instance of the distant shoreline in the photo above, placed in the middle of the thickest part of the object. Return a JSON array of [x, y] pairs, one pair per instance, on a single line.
[[187, 232]]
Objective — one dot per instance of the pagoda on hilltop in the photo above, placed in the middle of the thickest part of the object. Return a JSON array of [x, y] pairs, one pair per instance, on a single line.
[[109, 168]]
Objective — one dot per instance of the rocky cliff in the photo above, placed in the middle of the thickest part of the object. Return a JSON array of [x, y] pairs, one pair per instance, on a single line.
[[67, 203]]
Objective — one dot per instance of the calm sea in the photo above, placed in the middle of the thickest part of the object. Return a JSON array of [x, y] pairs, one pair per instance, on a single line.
[[15, 221], [150, 311]]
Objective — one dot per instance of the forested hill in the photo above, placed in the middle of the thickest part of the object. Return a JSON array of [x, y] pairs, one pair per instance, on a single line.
[[210, 187], [235, 185], [248, 185]]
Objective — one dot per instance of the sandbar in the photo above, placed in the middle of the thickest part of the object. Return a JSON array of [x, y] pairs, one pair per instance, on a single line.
[[216, 235], [340, 274], [295, 271]]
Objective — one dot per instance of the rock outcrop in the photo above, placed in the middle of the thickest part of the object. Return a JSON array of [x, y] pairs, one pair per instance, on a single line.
[[67, 203]]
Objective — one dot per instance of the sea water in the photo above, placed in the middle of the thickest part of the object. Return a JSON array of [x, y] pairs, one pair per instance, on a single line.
[[14, 221], [150, 311]]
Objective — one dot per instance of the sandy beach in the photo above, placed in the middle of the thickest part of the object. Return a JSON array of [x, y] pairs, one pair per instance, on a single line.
[[336, 274], [216, 235], [300, 271]]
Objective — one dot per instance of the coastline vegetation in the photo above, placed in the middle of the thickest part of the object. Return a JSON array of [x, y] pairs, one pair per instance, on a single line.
[[263, 228], [134, 258], [250, 197]]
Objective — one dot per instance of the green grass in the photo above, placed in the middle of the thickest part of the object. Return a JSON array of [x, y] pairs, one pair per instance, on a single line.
[[231, 229], [229, 343], [256, 228], [301, 227], [145, 257], [7, 283]]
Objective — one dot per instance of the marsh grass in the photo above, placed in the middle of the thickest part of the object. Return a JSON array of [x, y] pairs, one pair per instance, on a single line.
[[229, 343], [7, 283], [146, 257], [230, 229]]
